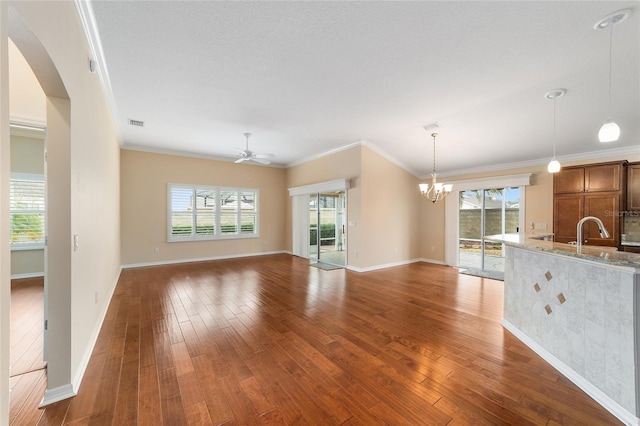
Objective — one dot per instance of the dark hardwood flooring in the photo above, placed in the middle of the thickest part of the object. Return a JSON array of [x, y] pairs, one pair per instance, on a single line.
[[270, 340], [28, 379]]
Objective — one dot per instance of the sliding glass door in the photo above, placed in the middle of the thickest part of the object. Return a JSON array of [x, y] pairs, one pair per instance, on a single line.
[[485, 212], [327, 237]]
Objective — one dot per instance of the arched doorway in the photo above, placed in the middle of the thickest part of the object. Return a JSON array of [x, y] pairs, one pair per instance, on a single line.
[[57, 176]]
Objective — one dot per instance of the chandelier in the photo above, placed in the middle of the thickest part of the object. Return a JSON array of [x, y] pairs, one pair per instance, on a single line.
[[436, 191]]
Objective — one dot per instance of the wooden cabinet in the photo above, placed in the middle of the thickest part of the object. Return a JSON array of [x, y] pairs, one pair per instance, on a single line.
[[569, 180], [590, 190], [604, 206], [567, 211], [605, 177], [633, 187], [632, 249]]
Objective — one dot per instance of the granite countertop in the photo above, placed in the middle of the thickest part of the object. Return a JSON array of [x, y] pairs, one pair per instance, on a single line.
[[606, 255]]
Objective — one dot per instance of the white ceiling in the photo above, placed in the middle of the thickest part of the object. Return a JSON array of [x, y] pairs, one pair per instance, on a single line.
[[311, 77]]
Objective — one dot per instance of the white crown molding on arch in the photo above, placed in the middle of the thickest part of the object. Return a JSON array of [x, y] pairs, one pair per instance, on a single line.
[[373, 147], [323, 154], [88, 20]]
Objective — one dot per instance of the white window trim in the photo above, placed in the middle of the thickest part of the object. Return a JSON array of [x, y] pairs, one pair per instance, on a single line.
[[30, 246], [217, 236]]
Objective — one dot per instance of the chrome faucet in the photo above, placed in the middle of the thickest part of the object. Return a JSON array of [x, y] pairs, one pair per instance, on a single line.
[[603, 231]]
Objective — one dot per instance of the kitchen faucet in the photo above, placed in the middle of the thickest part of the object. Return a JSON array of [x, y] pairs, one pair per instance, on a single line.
[[603, 231]]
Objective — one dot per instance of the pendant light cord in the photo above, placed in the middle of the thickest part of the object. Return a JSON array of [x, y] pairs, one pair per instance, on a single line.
[[434, 153], [610, 60], [554, 128]]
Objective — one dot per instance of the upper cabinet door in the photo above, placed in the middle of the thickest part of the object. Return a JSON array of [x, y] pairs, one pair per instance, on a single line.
[[633, 187], [606, 177], [569, 180]]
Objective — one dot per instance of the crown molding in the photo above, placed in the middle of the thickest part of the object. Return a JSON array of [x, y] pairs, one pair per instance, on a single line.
[[88, 21], [375, 148], [164, 151], [590, 155], [323, 154]]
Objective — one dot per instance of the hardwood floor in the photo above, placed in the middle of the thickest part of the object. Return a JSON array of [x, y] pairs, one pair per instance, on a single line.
[[28, 380], [27, 316], [270, 340]]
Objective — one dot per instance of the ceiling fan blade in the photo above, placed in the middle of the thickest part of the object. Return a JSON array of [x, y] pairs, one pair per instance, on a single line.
[[240, 160], [264, 155], [261, 161]]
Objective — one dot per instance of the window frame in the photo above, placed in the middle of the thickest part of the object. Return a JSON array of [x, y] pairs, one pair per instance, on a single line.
[[40, 244], [218, 214]]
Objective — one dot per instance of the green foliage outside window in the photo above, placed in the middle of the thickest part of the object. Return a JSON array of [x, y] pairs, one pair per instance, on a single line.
[[327, 230]]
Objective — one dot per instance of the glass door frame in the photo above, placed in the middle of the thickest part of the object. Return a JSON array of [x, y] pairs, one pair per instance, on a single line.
[[340, 229], [452, 212]]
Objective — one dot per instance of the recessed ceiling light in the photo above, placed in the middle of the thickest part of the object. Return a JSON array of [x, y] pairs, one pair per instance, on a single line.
[[557, 93], [612, 19]]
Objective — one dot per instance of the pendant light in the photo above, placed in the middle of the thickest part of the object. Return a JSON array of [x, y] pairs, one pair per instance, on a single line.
[[610, 131], [437, 191], [554, 165]]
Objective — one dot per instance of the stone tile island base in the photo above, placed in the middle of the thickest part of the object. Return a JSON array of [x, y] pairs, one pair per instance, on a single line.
[[581, 316]]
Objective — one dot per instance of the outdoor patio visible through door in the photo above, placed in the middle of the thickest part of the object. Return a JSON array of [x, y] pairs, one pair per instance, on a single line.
[[327, 233]]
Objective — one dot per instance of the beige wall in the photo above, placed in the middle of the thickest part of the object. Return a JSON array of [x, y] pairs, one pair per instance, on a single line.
[[341, 165], [390, 212], [27, 156], [432, 229], [383, 203], [144, 178], [83, 153], [27, 101]]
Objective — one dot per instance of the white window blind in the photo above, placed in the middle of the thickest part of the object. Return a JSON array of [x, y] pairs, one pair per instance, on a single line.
[[208, 212], [27, 211]]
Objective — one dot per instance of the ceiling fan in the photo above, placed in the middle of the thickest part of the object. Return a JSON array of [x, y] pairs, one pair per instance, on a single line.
[[246, 155]]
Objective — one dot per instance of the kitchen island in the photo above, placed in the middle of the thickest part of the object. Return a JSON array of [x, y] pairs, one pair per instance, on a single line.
[[578, 309]]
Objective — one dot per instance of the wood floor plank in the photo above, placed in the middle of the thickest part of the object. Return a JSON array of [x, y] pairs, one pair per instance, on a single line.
[[149, 404], [55, 414], [28, 412], [269, 340], [126, 407]]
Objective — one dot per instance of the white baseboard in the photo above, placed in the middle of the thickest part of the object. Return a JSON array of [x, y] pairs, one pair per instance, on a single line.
[[28, 275], [600, 397], [437, 262], [200, 259], [383, 266], [84, 361], [54, 395]]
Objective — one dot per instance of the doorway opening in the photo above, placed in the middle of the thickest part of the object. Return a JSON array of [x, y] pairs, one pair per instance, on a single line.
[[484, 212], [327, 229]]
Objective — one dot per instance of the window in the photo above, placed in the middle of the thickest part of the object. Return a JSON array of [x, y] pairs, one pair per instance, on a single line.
[[210, 212], [27, 210]]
